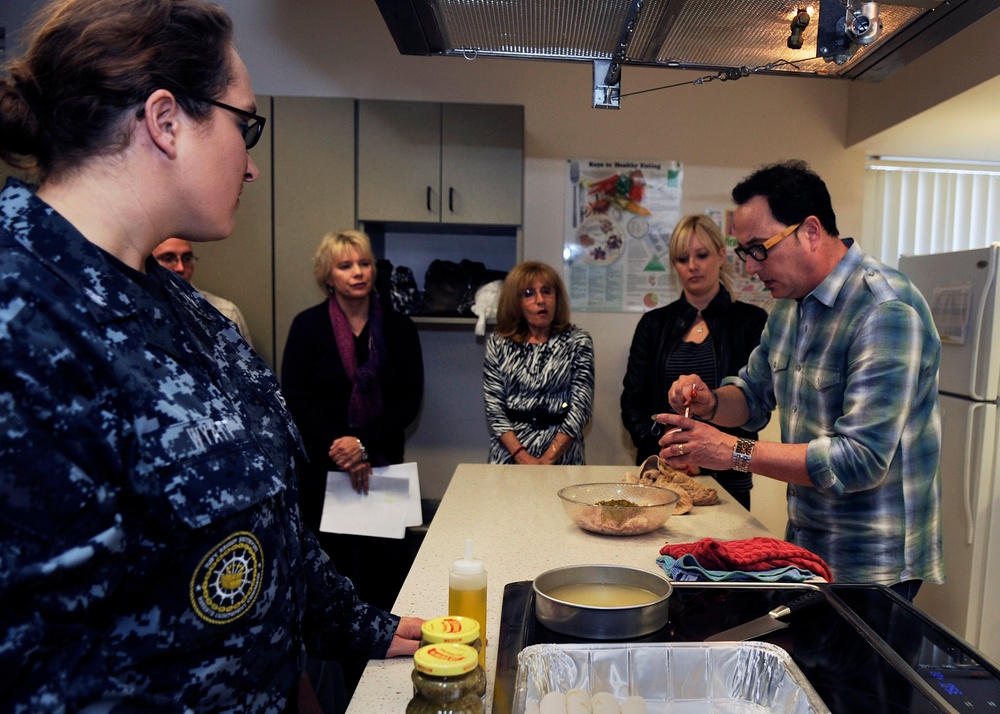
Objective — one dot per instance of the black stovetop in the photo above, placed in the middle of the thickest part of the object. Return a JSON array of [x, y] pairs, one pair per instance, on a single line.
[[863, 648]]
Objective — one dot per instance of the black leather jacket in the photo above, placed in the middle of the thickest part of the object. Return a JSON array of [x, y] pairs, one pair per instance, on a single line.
[[735, 328]]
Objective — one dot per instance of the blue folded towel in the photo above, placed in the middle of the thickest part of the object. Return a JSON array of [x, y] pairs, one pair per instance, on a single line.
[[686, 568]]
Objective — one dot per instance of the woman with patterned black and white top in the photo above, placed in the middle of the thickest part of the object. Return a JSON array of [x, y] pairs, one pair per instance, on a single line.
[[539, 373]]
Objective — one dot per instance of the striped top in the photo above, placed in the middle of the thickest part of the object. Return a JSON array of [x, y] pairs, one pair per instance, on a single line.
[[555, 376], [693, 358]]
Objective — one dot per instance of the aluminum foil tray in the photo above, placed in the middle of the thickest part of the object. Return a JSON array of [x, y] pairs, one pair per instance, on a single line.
[[675, 677]]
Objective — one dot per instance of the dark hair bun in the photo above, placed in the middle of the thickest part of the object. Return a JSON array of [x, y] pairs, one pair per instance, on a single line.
[[18, 127]]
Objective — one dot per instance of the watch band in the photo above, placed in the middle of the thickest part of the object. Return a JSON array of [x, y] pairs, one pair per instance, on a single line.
[[742, 453], [364, 451]]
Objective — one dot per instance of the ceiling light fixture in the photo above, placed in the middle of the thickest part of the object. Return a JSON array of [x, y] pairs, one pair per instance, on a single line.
[[799, 23], [863, 25]]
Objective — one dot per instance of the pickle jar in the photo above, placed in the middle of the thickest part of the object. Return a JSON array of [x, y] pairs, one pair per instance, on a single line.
[[455, 629], [446, 680]]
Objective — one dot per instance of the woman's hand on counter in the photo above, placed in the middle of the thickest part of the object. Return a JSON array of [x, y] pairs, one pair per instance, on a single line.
[[406, 641]]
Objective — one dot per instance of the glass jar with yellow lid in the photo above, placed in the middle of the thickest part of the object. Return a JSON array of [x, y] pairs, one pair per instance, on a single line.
[[446, 678], [455, 629], [452, 628]]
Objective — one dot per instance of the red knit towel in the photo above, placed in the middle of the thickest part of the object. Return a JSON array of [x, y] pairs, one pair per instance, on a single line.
[[752, 555]]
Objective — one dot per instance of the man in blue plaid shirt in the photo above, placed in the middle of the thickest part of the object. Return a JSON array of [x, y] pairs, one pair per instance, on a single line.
[[850, 357]]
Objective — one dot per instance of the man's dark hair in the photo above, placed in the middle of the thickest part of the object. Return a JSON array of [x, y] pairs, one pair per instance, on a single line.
[[793, 192]]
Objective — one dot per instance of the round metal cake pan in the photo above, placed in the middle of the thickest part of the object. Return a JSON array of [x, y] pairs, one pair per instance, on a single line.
[[597, 622]]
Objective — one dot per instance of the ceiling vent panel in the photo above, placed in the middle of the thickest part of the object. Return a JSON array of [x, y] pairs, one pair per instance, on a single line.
[[687, 34]]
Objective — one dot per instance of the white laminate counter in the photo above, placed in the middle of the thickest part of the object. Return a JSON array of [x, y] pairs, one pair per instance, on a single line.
[[518, 527]]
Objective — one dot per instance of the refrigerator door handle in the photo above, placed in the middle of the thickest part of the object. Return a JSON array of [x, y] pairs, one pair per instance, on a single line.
[[978, 327], [970, 525]]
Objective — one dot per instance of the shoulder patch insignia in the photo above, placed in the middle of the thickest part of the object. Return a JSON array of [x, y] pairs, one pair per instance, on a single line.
[[228, 579]]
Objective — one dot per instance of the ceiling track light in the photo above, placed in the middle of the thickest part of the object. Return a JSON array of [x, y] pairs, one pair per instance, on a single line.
[[863, 26], [841, 35], [799, 23]]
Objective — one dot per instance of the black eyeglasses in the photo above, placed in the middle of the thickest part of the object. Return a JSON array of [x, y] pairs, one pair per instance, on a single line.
[[759, 251], [252, 129], [545, 290]]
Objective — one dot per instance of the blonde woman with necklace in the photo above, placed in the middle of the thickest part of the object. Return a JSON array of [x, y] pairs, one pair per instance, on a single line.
[[705, 331]]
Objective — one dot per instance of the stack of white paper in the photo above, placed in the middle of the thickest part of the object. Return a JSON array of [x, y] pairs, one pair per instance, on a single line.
[[392, 503]]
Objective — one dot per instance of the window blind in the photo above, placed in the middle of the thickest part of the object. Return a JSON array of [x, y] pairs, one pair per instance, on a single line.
[[921, 207]]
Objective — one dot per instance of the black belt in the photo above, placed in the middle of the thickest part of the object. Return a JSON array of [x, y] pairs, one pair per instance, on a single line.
[[535, 417]]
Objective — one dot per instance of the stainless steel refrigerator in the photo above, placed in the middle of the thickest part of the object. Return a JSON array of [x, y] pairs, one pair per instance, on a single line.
[[961, 288]]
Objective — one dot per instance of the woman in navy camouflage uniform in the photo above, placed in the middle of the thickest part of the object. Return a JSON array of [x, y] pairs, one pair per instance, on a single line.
[[152, 557]]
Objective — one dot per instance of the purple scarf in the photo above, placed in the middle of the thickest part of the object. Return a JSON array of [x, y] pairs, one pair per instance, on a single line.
[[366, 395]]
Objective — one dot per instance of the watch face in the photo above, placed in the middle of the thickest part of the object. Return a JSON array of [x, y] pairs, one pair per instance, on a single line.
[[742, 453]]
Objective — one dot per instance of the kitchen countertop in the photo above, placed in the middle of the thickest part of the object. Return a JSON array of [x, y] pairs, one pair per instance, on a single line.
[[519, 529]]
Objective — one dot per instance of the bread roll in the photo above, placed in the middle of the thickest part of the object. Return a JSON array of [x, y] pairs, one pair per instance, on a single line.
[[604, 703], [577, 702], [634, 705], [553, 703]]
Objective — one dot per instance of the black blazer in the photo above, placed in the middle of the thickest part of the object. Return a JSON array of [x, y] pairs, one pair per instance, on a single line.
[[318, 392]]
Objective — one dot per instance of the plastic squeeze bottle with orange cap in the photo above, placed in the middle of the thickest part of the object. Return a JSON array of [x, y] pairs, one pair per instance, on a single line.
[[467, 592]]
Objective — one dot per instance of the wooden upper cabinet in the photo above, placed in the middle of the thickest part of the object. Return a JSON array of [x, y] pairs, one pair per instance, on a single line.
[[440, 163], [399, 161], [482, 163]]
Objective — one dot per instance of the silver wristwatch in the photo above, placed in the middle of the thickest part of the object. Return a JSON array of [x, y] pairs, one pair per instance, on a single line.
[[742, 453], [364, 451]]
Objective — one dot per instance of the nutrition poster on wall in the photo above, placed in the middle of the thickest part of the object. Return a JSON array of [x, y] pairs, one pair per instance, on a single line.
[[619, 216]]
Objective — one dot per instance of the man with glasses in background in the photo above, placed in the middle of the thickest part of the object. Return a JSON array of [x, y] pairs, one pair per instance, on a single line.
[[176, 254], [849, 357]]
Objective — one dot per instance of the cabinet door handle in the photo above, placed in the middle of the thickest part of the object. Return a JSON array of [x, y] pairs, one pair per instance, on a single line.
[[429, 198], [451, 199]]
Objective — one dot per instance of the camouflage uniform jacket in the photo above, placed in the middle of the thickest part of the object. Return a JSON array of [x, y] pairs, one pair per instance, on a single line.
[[152, 557]]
